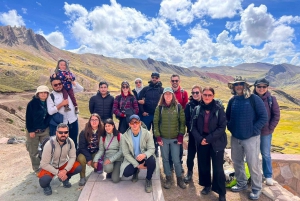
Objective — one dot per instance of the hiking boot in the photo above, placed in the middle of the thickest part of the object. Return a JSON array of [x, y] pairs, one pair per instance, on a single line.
[[238, 188], [76, 110], [66, 183], [47, 190], [205, 190], [254, 195], [135, 176], [67, 109], [108, 175], [188, 177], [180, 183], [82, 182], [269, 181], [168, 182], [222, 198], [148, 186]]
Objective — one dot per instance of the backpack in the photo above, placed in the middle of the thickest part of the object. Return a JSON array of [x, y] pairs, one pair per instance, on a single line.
[[198, 107], [182, 93], [42, 145], [118, 137], [160, 108]]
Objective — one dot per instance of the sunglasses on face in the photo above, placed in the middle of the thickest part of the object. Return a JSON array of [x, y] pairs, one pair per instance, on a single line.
[[63, 132], [174, 80], [196, 92], [138, 82], [125, 87], [154, 78], [207, 95], [239, 83], [58, 84], [262, 87], [95, 120], [134, 122]]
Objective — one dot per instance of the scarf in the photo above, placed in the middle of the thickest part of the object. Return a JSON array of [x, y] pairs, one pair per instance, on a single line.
[[208, 106]]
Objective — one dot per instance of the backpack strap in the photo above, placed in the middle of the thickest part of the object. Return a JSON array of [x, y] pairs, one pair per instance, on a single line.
[[195, 117], [119, 137], [159, 118], [270, 101], [182, 93], [52, 97]]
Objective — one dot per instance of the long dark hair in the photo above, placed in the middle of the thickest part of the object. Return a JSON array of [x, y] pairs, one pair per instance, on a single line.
[[111, 122], [88, 130]]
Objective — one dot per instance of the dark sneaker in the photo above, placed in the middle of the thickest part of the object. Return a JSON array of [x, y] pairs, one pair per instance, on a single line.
[[238, 188], [67, 109], [82, 182], [66, 183], [180, 183], [48, 190], [254, 195], [135, 176], [148, 186], [188, 177], [168, 182], [205, 190], [76, 110], [222, 198]]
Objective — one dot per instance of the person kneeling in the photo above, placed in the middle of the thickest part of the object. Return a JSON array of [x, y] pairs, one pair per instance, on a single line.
[[110, 150], [58, 159], [138, 150]]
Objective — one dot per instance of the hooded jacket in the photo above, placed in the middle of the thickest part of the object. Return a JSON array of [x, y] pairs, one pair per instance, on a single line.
[[102, 106], [188, 111]]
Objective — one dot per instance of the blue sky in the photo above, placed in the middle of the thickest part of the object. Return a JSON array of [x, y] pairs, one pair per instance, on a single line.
[[181, 32]]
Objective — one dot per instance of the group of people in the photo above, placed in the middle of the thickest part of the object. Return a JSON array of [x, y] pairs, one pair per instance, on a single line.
[[170, 114]]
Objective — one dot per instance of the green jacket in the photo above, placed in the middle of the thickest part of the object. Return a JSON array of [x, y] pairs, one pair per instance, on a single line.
[[114, 151], [171, 124], [146, 145]]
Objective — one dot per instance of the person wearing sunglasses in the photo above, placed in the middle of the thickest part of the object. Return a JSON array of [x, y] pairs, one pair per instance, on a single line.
[[246, 116], [58, 159], [125, 105], [88, 144], [272, 107], [138, 150], [195, 99], [169, 128], [148, 99], [210, 139], [37, 124], [110, 150]]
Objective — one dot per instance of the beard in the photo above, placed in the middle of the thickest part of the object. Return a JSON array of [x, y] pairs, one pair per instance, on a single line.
[[62, 139], [58, 90]]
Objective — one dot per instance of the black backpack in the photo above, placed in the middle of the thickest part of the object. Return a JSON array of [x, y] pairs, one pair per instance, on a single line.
[[42, 145]]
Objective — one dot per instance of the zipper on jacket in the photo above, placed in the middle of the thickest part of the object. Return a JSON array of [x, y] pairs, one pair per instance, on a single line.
[[59, 156]]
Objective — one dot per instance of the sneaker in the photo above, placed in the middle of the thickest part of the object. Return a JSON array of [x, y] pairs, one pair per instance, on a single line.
[[76, 110], [148, 186], [168, 182], [205, 190], [269, 181], [135, 176], [82, 182], [66, 183], [48, 190], [67, 109], [238, 188], [180, 183], [188, 177], [254, 195]]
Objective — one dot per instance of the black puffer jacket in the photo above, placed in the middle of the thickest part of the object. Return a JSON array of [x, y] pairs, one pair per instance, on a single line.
[[217, 125], [37, 116], [188, 111], [151, 94], [102, 106]]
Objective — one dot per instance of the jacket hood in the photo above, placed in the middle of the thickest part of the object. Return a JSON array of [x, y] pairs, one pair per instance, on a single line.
[[158, 84]]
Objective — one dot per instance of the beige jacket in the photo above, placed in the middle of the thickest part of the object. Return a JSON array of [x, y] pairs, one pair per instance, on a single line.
[[146, 145], [61, 155]]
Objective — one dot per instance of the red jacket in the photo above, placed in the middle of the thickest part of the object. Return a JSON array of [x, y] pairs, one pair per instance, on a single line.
[[182, 96]]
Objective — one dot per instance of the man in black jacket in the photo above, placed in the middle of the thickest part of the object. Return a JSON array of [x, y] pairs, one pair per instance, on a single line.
[[102, 102], [148, 100]]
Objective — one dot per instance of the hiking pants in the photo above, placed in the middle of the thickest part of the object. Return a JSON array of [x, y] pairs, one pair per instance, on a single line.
[[149, 162], [82, 160], [114, 169]]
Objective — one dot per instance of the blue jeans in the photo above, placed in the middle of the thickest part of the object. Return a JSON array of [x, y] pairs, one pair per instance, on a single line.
[[174, 148], [265, 149]]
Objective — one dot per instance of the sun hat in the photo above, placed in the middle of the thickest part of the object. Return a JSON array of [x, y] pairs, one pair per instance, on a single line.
[[238, 79], [42, 88], [168, 89]]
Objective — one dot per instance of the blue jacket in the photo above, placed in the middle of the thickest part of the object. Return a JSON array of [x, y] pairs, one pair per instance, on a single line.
[[246, 117]]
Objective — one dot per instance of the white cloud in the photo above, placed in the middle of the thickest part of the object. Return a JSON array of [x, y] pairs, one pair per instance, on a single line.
[[24, 10], [232, 26], [11, 18], [56, 38], [288, 20], [38, 3]]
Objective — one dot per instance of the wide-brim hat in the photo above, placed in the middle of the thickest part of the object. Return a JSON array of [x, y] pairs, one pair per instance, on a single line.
[[42, 88], [239, 79]]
